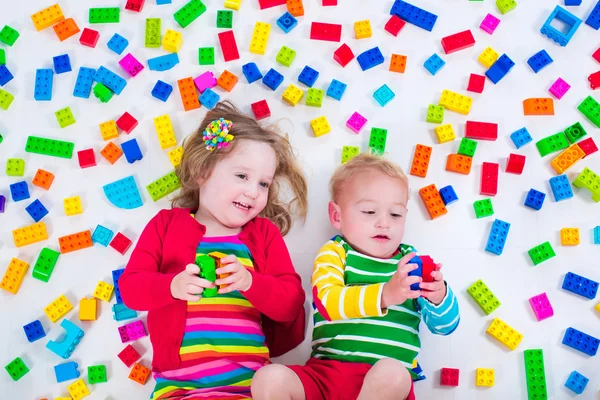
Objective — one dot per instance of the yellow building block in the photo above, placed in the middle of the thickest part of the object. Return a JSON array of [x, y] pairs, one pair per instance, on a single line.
[[485, 377], [73, 205], [320, 126], [78, 390], [569, 236], [58, 308], [172, 41], [488, 57], [598, 307], [47, 17], [164, 130], [63, 398], [15, 272], [232, 4], [175, 156], [108, 130], [103, 291], [30, 234], [504, 334], [567, 158], [292, 94], [362, 29], [456, 102], [445, 133], [260, 38], [87, 309]]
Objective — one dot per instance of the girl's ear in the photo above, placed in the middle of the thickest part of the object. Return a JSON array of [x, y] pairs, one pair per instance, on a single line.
[[335, 215]]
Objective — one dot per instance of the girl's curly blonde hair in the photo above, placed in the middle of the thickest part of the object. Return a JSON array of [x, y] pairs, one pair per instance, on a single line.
[[198, 162]]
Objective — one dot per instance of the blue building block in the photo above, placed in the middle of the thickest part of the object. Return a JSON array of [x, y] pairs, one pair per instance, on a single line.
[[539, 60], [416, 272], [448, 195], [36, 210], [336, 89], [273, 79], [561, 188], [581, 341], [19, 191], [162, 90], [123, 193], [117, 43], [34, 331], [116, 275], [579, 285], [132, 151], [5, 75], [65, 347], [121, 312], [111, 80], [597, 235], [308, 76], [568, 19], [500, 68], [497, 238], [572, 2], [251, 72], [66, 371], [535, 199], [83, 85], [43, 84], [434, 63], [414, 15], [102, 235], [384, 95], [287, 22], [521, 137], [576, 381], [370, 58], [62, 64], [162, 2], [593, 19], [209, 98], [163, 63]]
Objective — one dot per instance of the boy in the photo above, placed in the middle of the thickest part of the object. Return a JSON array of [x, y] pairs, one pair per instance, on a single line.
[[366, 338]]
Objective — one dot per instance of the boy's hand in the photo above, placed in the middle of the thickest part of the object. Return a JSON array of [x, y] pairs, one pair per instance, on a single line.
[[435, 291], [397, 290], [238, 278], [188, 286]]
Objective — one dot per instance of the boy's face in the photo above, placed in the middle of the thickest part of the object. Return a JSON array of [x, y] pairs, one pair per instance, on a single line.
[[371, 212]]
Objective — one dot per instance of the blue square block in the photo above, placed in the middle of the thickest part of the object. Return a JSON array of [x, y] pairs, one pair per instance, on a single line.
[[336, 89], [117, 43], [581, 341], [19, 191], [499, 69], [579, 285], [62, 64], [34, 331], [593, 19], [287, 22], [384, 95], [597, 235], [448, 194], [209, 99], [36, 210], [535, 199], [539, 60], [132, 151], [83, 84], [370, 58], [572, 2], [576, 381], [273, 79], [308, 76], [251, 72], [162, 90], [5, 75], [66, 371], [43, 84], [434, 63], [116, 275], [561, 188], [102, 235], [416, 272], [497, 238], [414, 15], [568, 19], [521, 137]]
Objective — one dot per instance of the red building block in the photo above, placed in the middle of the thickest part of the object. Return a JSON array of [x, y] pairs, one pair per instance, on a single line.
[[489, 179], [458, 41], [329, 3], [596, 55], [120, 243], [594, 80], [270, 3], [129, 355], [394, 25], [86, 158], [343, 55], [588, 146], [89, 37], [228, 46], [449, 377], [481, 130], [427, 268], [324, 31], [261, 110], [515, 164], [127, 123], [476, 83], [135, 5]]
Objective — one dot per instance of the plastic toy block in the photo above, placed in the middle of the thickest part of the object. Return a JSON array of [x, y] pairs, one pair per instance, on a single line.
[[521, 137], [127, 122], [362, 29], [122, 313], [445, 133], [8, 35], [576, 382], [535, 199], [467, 147], [539, 60], [163, 186], [132, 151], [572, 2], [459, 163], [131, 65], [568, 19], [314, 97], [538, 106], [394, 25], [272, 79], [398, 63], [541, 253], [433, 201], [228, 46], [86, 158], [72, 205], [499, 68], [2, 57], [189, 12], [435, 114], [420, 162], [567, 158], [16, 369], [76, 241], [209, 99], [505, 6], [134, 5], [65, 117], [116, 275], [370, 58], [597, 235], [152, 37], [13, 277], [97, 373], [111, 80], [414, 15], [484, 377], [569, 236], [102, 235], [260, 38], [15, 167], [308, 76], [163, 63], [325, 31], [103, 291], [356, 122], [89, 37], [593, 20], [504, 334], [343, 55], [232, 4], [448, 195], [590, 108], [384, 95], [489, 24], [44, 266], [224, 19], [449, 377], [581, 341], [488, 57], [535, 374], [188, 94], [30, 234], [129, 355], [206, 56], [132, 331], [458, 41], [541, 306], [104, 15], [481, 130], [47, 17], [559, 88], [108, 130], [261, 110], [476, 84], [19, 191], [2, 203], [205, 81], [596, 55], [43, 84], [588, 146], [320, 126], [497, 237], [34, 331], [62, 64], [36, 210], [292, 95], [5, 75], [515, 163], [295, 7], [6, 99], [579, 285], [162, 90], [270, 3], [286, 56], [227, 81], [78, 390], [349, 152], [484, 297], [121, 243], [123, 193], [251, 72], [66, 371], [552, 143], [102, 93], [172, 41], [58, 308], [83, 84], [111, 152], [377, 140], [139, 374], [164, 130], [575, 132], [434, 63], [594, 80]]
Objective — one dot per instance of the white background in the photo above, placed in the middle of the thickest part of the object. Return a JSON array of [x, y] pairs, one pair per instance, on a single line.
[[457, 239]]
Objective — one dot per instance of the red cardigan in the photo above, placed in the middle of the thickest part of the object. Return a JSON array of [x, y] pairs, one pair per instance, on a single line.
[[168, 244]]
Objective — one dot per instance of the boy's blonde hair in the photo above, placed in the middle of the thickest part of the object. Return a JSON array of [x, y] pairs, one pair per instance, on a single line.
[[198, 162], [359, 164]]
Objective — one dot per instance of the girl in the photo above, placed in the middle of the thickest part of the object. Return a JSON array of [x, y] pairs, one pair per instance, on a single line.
[[210, 347]]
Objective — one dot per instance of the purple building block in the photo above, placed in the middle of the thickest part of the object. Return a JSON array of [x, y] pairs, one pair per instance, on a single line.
[[356, 122], [2, 203], [131, 65], [559, 88], [489, 24], [541, 306], [132, 331], [205, 81]]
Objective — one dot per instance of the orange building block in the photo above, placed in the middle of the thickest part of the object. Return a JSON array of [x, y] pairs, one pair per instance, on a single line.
[[459, 163], [15, 272], [433, 201], [187, 90], [65, 29], [295, 7], [139, 373], [567, 158], [111, 152], [76, 241], [47, 17], [30, 234], [227, 80], [217, 255], [398, 63], [421, 161], [538, 106], [43, 179]]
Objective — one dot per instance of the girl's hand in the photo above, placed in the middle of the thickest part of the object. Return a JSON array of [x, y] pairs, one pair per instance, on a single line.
[[397, 290], [435, 291], [188, 286], [238, 278]]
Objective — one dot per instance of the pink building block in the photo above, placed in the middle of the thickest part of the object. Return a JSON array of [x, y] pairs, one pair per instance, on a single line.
[[132, 331], [489, 24], [205, 81], [131, 65], [356, 122], [559, 88], [541, 306]]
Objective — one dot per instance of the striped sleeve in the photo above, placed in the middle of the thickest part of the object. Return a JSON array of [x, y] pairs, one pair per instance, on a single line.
[[443, 318], [331, 294]]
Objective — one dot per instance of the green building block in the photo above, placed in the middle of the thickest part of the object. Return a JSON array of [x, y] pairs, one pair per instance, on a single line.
[[467, 147], [17, 369], [506, 5], [163, 186], [589, 180], [189, 12], [575, 132], [152, 34], [377, 140], [49, 147], [206, 56], [65, 117], [535, 375], [224, 19], [552, 143], [314, 97], [1, 138], [96, 374], [541, 253], [15, 167], [435, 114], [207, 267], [483, 208], [6, 99], [102, 93], [286, 56], [348, 152], [8, 35], [2, 57], [591, 110], [104, 15], [45, 264], [484, 297]]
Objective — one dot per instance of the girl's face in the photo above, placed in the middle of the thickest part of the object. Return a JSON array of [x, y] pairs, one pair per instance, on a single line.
[[238, 188]]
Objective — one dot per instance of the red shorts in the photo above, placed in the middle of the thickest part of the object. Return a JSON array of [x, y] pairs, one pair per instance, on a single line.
[[334, 380]]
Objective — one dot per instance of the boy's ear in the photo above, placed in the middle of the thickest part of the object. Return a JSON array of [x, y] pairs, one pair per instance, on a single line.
[[335, 215]]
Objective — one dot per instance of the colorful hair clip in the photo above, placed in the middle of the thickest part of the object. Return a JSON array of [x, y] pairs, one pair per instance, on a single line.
[[216, 135]]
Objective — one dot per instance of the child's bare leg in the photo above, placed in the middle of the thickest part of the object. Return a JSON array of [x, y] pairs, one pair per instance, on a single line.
[[277, 382], [388, 379]]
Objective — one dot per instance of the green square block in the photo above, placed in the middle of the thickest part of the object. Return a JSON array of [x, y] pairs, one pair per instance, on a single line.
[[15, 167], [189, 12], [506, 5], [552, 143], [377, 140], [435, 114], [314, 97], [541, 253], [575, 132], [163, 186], [484, 297], [483, 208], [104, 15], [65, 117], [467, 147], [286, 56], [96, 374], [8, 35], [535, 374], [152, 34], [17, 369], [49, 147], [45, 264], [206, 56], [2, 57], [349, 152], [590, 108], [224, 19], [6, 99], [102, 93]]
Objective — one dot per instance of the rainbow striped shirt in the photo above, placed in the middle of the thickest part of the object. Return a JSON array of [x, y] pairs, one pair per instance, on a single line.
[[223, 343]]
